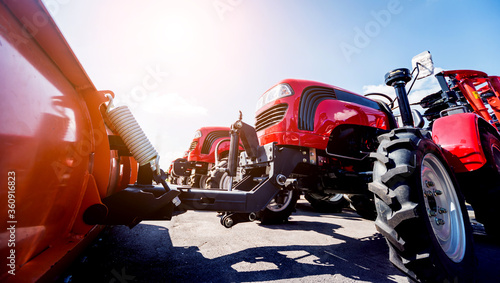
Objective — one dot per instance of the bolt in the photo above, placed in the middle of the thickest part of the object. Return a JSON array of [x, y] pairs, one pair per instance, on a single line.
[[429, 184], [228, 222], [431, 212], [281, 179], [238, 125], [439, 221], [442, 210], [304, 152], [428, 193], [304, 160], [438, 192]]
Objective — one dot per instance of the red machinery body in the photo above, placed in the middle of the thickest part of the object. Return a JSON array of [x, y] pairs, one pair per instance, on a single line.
[[54, 146], [459, 134], [476, 86], [62, 163], [202, 148], [278, 121], [209, 145]]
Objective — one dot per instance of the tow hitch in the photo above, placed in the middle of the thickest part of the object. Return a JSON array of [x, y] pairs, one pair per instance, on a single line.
[[266, 168]]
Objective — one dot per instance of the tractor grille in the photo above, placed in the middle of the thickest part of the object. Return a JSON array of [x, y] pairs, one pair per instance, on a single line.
[[270, 117], [193, 145], [211, 138], [314, 95], [309, 101]]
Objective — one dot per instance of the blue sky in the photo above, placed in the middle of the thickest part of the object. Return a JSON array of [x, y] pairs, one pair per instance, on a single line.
[[181, 65]]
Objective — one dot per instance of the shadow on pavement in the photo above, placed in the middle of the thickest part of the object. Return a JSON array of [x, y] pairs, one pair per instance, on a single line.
[[146, 254]]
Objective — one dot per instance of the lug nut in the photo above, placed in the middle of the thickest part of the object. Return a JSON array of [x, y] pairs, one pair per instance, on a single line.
[[428, 193], [431, 212], [438, 192], [439, 221], [442, 210], [429, 184]]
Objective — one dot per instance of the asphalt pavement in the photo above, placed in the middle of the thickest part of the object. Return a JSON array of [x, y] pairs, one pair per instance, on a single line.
[[195, 247]]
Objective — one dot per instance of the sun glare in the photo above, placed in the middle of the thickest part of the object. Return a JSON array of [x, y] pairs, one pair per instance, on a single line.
[[177, 33]]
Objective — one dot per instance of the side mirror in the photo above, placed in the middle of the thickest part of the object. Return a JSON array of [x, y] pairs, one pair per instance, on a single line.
[[418, 120], [424, 63]]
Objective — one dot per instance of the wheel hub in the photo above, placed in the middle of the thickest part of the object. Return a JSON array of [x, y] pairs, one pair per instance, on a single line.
[[443, 208], [280, 201]]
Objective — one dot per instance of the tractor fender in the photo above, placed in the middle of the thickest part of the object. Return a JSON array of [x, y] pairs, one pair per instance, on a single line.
[[458, 136]]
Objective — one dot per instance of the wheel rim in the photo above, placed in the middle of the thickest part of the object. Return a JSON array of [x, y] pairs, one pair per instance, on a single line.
[[443, 208], [225, 182], [203, 182], [335, 197], [281, 201]]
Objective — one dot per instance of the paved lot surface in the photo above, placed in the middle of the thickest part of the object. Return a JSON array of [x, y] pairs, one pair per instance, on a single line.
[[194, 247]]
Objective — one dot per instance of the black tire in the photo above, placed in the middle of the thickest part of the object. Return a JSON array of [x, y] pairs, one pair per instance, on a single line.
[[194, 181], [278, 211], [198, 181], [482, 187], [203, 182], [326, 203], [418, 203], [171, 179], [280, 208], [363, 205], [218, 179], [180, 181]]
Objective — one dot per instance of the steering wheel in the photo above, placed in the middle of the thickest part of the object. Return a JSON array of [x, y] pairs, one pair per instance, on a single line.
[[391, 105]]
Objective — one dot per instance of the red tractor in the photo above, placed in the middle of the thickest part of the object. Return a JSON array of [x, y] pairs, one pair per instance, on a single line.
[[476, 157], [324, 140], [74, 162], [208, 150]]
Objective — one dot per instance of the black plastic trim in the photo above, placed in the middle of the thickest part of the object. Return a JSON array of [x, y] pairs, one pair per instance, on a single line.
[[312, 96], [211, 138], [271, 116]]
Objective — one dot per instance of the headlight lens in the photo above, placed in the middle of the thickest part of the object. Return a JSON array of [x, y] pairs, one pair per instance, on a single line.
[[197, 134], [276, 92]]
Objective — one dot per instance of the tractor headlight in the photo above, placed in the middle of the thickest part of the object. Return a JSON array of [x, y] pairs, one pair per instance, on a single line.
[[197, 134], [274, 93]]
